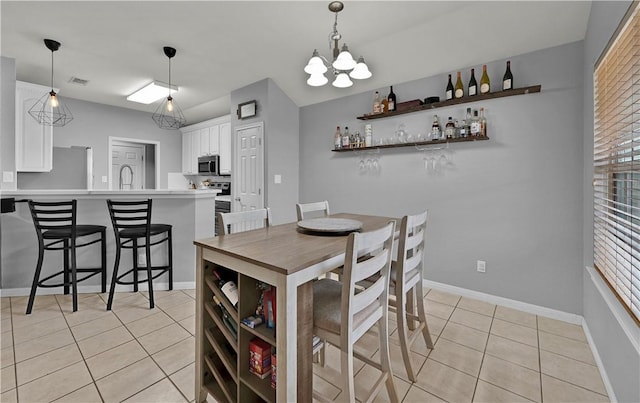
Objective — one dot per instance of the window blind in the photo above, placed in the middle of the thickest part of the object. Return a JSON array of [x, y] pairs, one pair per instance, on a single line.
[[617, 163]]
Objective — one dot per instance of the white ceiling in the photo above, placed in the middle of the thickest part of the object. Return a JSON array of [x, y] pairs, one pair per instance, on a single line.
[[225, 45]]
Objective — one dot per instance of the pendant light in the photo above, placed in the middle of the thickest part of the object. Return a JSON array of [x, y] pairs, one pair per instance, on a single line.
[[50, 110], [168, 114]]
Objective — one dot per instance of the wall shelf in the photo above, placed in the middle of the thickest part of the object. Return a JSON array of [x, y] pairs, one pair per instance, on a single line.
[[480, 97], [415, 144]]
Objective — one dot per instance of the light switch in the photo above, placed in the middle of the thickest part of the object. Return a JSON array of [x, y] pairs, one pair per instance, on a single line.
[[7, 176], [277, 178], [105, 179]]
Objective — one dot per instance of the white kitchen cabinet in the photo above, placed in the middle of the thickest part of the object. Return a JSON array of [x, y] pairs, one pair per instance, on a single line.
[[211, 137], [34, 142], [225, 148]]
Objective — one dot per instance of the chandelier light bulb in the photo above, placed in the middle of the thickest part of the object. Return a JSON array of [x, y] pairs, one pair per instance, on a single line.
[[169, 104], [342, 81], [315, 65], [317, 80]]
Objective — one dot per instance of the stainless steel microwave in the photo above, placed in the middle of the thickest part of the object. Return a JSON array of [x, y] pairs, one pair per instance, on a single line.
[[209, 165]]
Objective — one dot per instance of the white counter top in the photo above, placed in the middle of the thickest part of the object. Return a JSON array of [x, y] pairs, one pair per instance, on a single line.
[[103, 193]]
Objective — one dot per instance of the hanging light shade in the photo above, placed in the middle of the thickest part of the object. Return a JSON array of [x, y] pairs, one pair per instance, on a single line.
[[343, 64], [168, 114], [361, 71], [315, 65], [50, 110], [342, 81], [345, 60]]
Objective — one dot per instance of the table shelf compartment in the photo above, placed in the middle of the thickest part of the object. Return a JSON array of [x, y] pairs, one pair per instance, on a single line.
[[216, 392], [261, 387], [224, 380], [249, 296], [229, 360], [268, 335], [216, 314]]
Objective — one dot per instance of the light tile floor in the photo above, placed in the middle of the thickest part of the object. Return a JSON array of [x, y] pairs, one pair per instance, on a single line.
[[483, 353]]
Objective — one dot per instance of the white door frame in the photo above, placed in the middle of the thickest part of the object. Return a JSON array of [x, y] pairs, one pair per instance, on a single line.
[[236, 161], [156, 145]]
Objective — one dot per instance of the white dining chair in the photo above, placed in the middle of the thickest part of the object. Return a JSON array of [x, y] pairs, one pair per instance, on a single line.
[[342, 314], [312, 209], [240, 221]]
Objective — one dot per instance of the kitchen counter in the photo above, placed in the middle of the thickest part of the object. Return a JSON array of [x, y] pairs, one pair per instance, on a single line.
[[191, 212]]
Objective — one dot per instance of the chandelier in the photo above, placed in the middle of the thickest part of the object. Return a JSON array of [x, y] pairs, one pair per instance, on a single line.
[[343, 65], [50, 110], [168, 115]]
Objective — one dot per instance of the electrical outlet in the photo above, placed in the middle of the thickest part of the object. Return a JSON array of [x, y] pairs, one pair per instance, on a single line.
[[481, 266], [142, 259], [7, 176], [105, 179]]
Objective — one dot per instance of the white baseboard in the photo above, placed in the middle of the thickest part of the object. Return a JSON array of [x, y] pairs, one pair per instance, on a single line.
[[84, 289], [605, 378], [509, 303]]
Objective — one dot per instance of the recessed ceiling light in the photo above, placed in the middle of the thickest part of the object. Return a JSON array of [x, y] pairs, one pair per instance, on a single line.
[[152, 92]]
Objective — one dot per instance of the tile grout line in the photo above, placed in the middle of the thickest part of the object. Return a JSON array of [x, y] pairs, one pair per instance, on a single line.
[[13, 347], [484, 353]]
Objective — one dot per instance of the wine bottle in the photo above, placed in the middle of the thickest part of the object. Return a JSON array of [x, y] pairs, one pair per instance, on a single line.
[[473, 85], [450, 128], [485, 84], [391, 100], [475, 124], [459, 91], [483, 123], [376, 103], [507, 80], [337, 139], [449, 91], [384, 105], [228, 288]]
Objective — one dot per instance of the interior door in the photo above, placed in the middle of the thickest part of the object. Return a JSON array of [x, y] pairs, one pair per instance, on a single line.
[[127, 165], [249, 168]]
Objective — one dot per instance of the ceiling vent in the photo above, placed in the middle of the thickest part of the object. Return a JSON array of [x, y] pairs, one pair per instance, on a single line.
[[78, 81]]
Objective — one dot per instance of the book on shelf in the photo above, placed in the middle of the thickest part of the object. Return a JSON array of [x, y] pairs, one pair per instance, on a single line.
[[273, 370], [269, 300]]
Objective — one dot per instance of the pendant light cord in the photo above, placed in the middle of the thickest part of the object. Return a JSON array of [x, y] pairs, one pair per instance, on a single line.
[[52, 70], [169, 77]]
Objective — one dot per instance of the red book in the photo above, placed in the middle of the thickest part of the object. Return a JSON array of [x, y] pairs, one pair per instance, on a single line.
[[259, 357], [269, 298], [273, 371]]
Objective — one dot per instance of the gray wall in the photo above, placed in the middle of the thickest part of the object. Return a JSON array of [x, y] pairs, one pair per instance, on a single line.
[[94, 123], [620, 357], [514, 201], [281, 134], [67, 173], [7, 119]]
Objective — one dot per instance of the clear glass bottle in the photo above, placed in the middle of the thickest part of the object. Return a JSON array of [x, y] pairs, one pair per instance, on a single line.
[[462, 130], [376, 103], [337, 139], [483, 123], [475, 124], [345, 138], [436, 133]]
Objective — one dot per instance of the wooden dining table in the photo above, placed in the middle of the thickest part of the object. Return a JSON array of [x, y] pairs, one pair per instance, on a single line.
[[289, 259]]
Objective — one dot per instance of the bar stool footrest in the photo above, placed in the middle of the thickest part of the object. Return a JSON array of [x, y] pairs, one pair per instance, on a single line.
[[41, 283]]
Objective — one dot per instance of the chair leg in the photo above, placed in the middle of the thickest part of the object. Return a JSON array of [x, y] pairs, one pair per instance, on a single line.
[[36, 279], [74, 276], [346, 361], [423, 316], [134, 254], [66, 275], [114, 277], [385, 359], [403, 330], [103, 259], [149, 272], [170, 258]]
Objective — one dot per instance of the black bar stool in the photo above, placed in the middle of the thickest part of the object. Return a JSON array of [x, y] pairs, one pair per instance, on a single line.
[[131, 222], [55, 223]]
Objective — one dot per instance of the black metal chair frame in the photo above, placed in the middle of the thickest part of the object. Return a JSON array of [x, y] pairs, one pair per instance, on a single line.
[[131, 222], [56, 222]]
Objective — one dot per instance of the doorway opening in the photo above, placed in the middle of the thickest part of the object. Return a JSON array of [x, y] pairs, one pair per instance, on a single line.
[[133, 164]]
